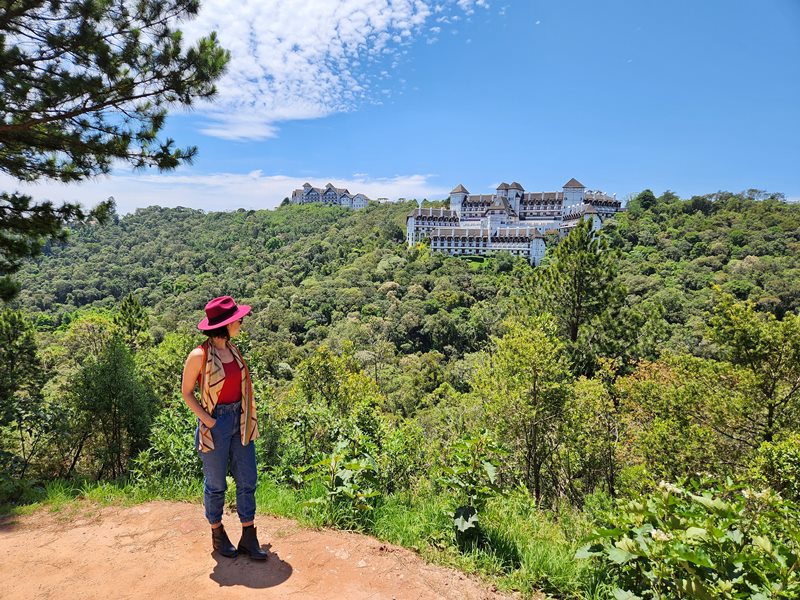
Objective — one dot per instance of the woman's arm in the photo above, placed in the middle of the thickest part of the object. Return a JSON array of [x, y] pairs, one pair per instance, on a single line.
[[190, 372]]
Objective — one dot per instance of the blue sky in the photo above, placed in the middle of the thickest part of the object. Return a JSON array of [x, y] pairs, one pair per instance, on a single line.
[[411, 97]]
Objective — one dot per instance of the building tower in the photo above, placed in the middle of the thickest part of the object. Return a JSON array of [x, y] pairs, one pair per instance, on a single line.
[[457, 197], [515, 192], [573, 197]]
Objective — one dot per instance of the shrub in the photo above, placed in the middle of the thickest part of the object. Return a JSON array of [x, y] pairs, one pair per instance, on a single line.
[[471, 474], [171, 454], [402, 457], [714, 541], [777, 465], [350, 483]]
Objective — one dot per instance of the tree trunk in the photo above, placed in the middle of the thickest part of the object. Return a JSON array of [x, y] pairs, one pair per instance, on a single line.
[[77, 453]]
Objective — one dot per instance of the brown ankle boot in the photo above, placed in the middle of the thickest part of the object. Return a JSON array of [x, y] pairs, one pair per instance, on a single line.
[[249, 544], [221, 543]]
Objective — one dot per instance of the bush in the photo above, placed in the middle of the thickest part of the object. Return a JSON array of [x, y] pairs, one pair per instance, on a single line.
[[349, 483], [777, 465], [470, 473], [171, 454], [402, 457], [704, 541]]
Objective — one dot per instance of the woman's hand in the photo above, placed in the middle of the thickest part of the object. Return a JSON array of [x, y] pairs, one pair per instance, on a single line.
[[210, 423]]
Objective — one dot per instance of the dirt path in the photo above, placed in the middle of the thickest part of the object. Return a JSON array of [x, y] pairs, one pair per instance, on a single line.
[[162, 550]]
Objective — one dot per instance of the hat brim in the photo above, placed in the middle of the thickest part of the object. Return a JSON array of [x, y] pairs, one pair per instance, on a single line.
[[241, 311]]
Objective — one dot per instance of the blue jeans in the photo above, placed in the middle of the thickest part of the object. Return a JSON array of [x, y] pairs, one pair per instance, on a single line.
[[227, 450]]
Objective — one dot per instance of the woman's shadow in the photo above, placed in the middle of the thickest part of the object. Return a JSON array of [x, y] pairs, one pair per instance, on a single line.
[[257, 574]]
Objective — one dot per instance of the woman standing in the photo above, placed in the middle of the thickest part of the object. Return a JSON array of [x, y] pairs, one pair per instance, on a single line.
[[227, 423]]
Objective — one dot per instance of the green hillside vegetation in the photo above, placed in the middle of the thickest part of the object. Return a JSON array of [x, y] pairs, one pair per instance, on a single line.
[[619, 422]]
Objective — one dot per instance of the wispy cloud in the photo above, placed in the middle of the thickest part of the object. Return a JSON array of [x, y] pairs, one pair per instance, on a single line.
[[215, 191], [306, 59], [468, 6]]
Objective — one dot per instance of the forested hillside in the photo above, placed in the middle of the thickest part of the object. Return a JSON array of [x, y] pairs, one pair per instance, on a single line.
[[660, 358], [304, 268]]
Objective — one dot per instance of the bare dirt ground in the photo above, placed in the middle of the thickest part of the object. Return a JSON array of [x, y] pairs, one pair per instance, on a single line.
[[163, 550]]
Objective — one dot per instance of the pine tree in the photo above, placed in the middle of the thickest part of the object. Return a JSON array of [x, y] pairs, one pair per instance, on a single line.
[[131, 318], [579, 281], [578, 284], [85, 84]]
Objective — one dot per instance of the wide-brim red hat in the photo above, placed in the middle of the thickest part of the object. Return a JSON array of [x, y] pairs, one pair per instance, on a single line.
[[222, 311]]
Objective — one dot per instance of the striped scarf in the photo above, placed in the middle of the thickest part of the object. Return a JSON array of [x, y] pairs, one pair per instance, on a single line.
[[212, 377]]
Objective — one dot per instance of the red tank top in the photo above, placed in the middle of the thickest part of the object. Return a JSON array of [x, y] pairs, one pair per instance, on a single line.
[[232, 388]]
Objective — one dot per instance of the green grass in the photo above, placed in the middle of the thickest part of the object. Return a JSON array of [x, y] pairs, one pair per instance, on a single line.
[[524, 549], [58, 494]]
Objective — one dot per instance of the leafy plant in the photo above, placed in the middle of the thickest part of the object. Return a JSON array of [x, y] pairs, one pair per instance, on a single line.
[[470, 473], [701, 541], [349, 483]]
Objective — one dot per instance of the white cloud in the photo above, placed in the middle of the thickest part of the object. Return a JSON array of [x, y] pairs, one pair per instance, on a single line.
[[304, 59], [468, 6], [215, 191]]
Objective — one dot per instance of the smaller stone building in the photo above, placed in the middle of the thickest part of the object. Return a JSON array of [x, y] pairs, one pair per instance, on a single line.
[[328, 195]]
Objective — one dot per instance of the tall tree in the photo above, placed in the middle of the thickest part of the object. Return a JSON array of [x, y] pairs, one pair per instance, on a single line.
[[579, 281], [769, 349], [132, 320], [85, 84], [117, 405], [579, 285], [23, 416], [524, 384], [20, 377]]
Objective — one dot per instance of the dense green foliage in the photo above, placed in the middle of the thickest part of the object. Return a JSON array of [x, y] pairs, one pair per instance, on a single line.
[[392, 381], [25, 226], [675, 250], [713, 542]]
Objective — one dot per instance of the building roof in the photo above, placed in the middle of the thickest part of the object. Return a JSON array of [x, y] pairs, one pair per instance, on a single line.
[[479, 199], [459, 189], [482, 232], [516, 186], [524, 232], [500, 204], [469, 232], [432, 212], [503, 186], [586, 209], [534, 197], [574, 183]]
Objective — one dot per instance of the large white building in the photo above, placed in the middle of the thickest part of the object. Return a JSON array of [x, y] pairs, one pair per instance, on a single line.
[[510, 220], [328, 195]]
